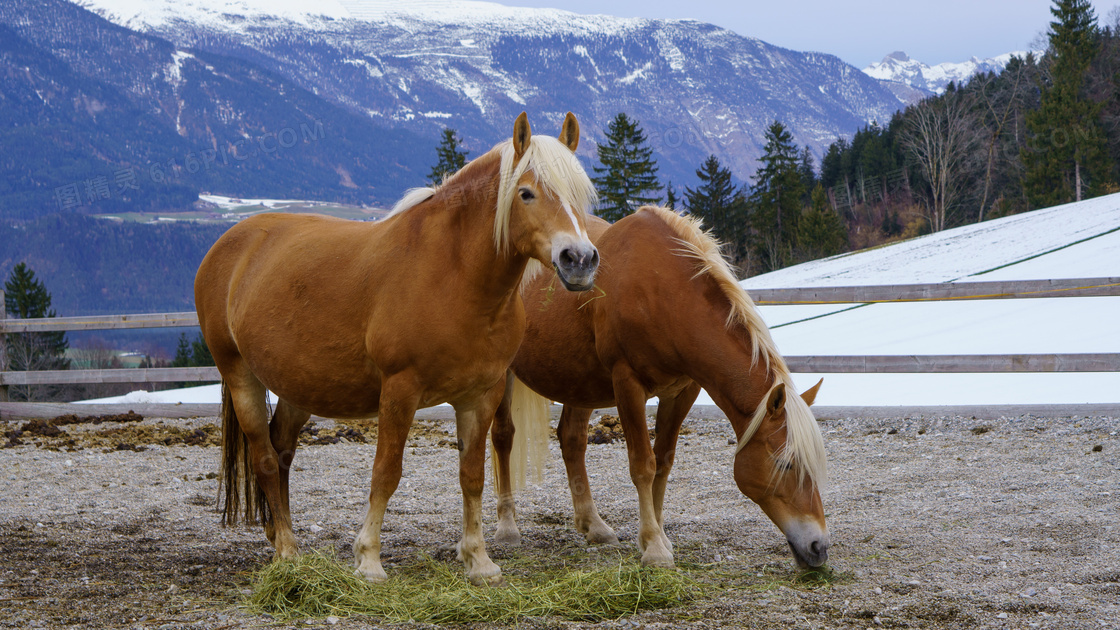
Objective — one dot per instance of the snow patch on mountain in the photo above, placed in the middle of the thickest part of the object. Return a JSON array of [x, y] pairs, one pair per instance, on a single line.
[[142, 14], [232, 14], [899, 68]]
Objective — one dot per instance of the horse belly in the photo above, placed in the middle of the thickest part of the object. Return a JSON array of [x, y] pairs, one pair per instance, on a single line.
[[321, 383], [571, 376]]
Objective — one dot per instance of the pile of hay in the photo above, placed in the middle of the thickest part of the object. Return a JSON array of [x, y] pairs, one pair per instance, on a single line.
[[317, 585]]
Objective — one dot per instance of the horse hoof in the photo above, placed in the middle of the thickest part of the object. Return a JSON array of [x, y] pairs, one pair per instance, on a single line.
[[371, 571], [601, 538], [664, 562], [494, 581], [377, 577], [286, 553], [506, 537]]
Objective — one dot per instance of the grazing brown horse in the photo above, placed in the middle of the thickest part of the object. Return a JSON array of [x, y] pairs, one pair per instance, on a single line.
[[347, 319], [666, 318]]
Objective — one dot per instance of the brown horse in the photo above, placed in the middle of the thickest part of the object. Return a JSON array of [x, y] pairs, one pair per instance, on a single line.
[[347, 319], [667, 317]]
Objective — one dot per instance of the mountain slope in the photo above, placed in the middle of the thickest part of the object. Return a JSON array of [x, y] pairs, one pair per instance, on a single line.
[[697, 89], [96, 116]]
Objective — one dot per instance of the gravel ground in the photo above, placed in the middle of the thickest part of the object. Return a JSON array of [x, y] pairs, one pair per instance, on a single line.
[[936, 522]]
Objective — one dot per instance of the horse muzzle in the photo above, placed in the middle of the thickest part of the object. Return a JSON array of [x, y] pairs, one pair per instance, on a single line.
[[576, 265], [809, 544]]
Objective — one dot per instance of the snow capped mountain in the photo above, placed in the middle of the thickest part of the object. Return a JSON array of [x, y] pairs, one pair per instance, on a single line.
[[233, 14], [141, 14], [898, 69], [145, 124], [697, 89]]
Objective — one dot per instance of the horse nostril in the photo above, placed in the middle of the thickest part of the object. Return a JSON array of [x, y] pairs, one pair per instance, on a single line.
[[815, 547], [567, 258], [594, 258]]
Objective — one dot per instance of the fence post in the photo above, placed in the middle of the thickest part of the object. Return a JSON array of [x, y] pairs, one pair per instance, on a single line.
[[3, 348]]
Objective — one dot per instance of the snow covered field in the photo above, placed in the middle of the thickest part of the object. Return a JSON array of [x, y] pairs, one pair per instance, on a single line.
[[1080, 240]]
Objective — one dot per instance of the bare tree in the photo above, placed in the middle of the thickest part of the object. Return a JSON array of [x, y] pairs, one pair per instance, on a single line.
[[940, 136], [95, 353], [1000, 122], [30, 352]]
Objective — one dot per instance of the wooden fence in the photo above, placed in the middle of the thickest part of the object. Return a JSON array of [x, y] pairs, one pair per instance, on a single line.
[[1083, 287]]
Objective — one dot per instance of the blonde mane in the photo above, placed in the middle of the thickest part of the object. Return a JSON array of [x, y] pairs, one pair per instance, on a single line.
[[552, 163], [554, 166], [804, 446]]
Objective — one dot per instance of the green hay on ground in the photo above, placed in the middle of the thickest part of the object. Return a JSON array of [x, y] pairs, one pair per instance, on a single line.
[[821, 577], [317, 585]]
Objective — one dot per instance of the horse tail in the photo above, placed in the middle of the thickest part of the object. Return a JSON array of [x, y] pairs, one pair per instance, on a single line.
[[531, 428], [237, 477]]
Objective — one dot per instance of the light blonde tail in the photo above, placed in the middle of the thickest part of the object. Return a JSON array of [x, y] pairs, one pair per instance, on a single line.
[[530, 439]]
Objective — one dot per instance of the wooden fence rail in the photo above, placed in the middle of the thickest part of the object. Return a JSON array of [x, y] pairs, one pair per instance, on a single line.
[[1076, 287], [98, 322], [128, 375], [955, 363], [1001, 290]]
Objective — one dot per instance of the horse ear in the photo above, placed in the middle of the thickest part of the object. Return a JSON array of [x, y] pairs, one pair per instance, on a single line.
[[777, 399], [569, 133], [810, 395], [522, 134]]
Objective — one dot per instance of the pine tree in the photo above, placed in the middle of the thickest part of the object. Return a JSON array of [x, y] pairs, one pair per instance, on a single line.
[[671, 199], [821, 232], [807, 169], [776, 197], [200, 352], [451, 157], [1067, 157], [25, 297], [716, 203], [182, 352], [628, 177]]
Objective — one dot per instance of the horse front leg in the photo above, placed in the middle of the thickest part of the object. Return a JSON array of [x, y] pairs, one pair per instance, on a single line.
[[501, 436], [631, 398], [472, 423], [670, 414], [399, 399], [572, 432]]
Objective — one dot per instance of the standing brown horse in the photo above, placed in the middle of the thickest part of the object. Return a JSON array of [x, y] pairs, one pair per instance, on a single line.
[[347, 319], [667, 318]]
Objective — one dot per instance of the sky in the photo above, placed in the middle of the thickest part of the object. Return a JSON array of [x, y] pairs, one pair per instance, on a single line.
[[860, 31]]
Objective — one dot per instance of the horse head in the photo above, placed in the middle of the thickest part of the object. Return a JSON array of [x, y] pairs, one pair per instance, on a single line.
[[544, 196], [780, 464]]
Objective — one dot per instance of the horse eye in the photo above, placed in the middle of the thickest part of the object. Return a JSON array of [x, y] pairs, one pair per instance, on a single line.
[[527, 195]]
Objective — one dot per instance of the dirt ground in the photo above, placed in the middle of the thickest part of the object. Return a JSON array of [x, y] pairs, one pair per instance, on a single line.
[[936, 522]]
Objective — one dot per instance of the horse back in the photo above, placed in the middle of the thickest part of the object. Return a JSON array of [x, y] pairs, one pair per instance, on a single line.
[[649, 309]]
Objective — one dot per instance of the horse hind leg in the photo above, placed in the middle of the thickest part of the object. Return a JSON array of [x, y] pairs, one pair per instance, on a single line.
[[572, 432], [248, 447], [501, 437], [284, 434]]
